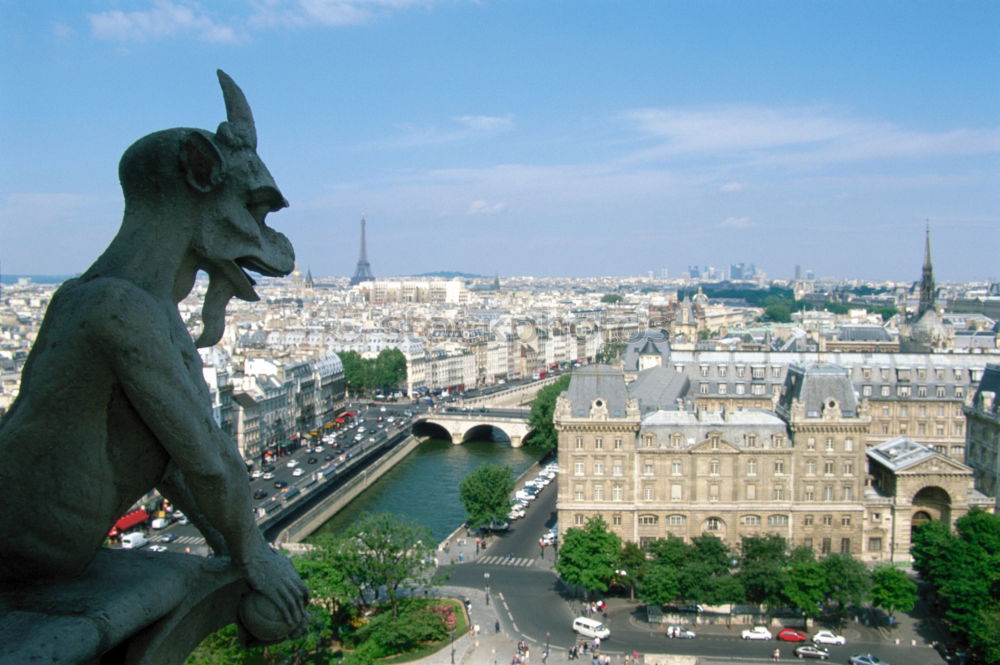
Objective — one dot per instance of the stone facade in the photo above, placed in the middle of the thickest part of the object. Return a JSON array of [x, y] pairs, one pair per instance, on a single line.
[[983, 434]]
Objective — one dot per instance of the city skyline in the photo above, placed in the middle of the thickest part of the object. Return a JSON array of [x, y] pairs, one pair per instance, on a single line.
[[551, 139]]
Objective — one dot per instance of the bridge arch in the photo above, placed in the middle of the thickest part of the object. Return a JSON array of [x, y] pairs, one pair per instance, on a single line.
[[460, 425], [431, 430]]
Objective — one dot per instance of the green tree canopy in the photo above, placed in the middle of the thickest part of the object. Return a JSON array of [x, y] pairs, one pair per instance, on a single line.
[[588, 556], [763, 569], [485, 493], [892, 590], [634, 564], [386, 371], [543, 434], [847, 581], [805, 583], [612, 298]]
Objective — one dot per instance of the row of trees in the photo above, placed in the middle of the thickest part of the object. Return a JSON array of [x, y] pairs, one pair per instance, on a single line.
[[384, 373], [543, 434], [361, 583], [963, 569], [763, 572]]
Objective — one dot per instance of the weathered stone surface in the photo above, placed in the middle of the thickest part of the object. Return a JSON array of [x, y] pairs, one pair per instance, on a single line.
[[112, 401]]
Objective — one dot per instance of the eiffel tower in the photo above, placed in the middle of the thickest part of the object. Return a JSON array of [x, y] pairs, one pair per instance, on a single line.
[[363, 273]]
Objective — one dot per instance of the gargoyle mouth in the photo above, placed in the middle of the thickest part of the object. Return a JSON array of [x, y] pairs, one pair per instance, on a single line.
[[237, 273]]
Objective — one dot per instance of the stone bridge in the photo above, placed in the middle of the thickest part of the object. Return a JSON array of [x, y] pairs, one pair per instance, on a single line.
[[460, 422]]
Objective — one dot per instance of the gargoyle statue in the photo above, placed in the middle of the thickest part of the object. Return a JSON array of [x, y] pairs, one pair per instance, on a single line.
[[112, 400]]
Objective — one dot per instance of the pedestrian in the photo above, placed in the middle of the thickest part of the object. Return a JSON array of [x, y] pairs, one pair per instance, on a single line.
[[497, 625], [545, 657], [777, 654], [477, 630], [635, 658]]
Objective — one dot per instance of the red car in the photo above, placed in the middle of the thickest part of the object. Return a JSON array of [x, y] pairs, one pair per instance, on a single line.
[[791, 635]]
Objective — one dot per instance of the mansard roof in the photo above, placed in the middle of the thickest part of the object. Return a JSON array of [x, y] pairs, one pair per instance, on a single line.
[[901, 453], [818, 386], [659, 388], [645, 343], [598, 382]]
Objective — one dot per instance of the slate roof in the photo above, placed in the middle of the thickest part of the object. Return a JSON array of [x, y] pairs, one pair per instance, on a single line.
[[815, 386], [658, 388], [647, 342], [593, 382], [863, 333], [898, 453], [990, 381]]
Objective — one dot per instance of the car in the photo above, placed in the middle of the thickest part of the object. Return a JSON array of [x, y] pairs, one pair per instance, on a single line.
[[680, 632], [866, 659], [328, 458], [157, 548], [810, 651], [311, 460], [256, 473], [168, 537], [828, 637], [268, 476], [280, 484], [756, 633], [269, 468], [791, 635], [298, 472], [318, 449], [292, 463], [260, 494]]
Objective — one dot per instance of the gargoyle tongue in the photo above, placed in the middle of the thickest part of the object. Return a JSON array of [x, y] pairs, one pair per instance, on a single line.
[[224, 282]]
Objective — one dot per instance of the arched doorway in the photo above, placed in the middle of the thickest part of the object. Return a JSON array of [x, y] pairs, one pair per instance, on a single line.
[[930, 503]]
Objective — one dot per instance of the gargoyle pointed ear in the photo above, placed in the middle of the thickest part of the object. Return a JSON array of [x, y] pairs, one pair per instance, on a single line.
[[239, 125]]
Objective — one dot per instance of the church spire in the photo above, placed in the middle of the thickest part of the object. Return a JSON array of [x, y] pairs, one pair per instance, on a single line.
[[927, 287]]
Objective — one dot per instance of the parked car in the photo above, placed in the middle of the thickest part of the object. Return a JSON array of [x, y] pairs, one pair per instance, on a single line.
[[168, 538], [810, 651], [680, 632], [828, 637], [866, 659], [791, 635], [756, 633]]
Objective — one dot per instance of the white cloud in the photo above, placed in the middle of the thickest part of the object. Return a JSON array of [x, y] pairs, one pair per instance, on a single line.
[[797, 136], [165, 19], [733, 187], [736, 223], [298, 13], [480, 207], [465, 127]]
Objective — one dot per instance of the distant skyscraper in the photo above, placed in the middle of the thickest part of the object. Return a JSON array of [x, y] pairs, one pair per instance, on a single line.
[[926, 277], [798, 272], [694, 271], [363, 273]]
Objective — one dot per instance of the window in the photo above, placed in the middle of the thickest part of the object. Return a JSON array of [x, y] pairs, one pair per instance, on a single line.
[[616, 467], [939, 429], [828, 493], [778, 493], [599, 443], [578, 519], [885, 410], [579, 443], [751, 492], [647, 469], [713, 467], [848, 468], [751, 520], [849, 444], [647, 493], [779, 467], [778, 441], [959, 391], [741, 388], [599, 492], [741, 371], [866, 372], [704, 370], [807, 542], [578, 468], [676, 467], [845, 545], [825, 547], [885, 373], [921, 391], [598, 468], [617, 492], [828, 467], [827, 520], [903, 391], [848, 492], [775, 372], [751, 467], [647, 440], [578, 493], [904, 411], [676, 440], [715, 442], [777, 520], [874, 544], [884, 391], [807, 520], [810, 493], [703, 388], [811, 443], [723, 388], [616, 520], [676, 520], [757, 373], [757, 389], [885, 428], [938, 393], [676, 492], [921, 428], [713, 492], [713, 524], [618, 444], [829, 443], [845, 520], [722, 370], [866, 390], [810, 467]]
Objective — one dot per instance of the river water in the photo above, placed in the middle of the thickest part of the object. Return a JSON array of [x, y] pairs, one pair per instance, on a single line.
[[423, 486]]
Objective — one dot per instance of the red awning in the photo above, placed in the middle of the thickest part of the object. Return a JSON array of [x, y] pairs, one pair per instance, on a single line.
[[349, 414], [128, 521]]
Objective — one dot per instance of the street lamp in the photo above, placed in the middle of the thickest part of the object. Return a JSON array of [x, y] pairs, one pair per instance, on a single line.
[[486, 577]]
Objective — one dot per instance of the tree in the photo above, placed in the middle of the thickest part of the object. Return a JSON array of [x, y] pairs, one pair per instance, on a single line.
[[660, 585], [389, 551], [633, 564], [846, 581], [892, 590], [389, 369], [763, 569], [543, 434], [805, 584], [610, 351], [353, 370], [612, 298], [588, 556], [485, 493]]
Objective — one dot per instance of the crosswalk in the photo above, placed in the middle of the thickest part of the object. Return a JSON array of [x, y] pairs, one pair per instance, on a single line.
[[505, 561], [189, 540]]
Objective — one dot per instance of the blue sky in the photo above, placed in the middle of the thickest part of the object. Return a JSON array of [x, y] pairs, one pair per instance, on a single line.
[[543, 137]]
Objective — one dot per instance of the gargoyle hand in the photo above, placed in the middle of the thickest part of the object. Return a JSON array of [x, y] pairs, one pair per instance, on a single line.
[[273, 574]]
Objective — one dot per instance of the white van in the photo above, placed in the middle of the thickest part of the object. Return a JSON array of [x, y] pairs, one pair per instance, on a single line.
[[131, 541], [590, 628]]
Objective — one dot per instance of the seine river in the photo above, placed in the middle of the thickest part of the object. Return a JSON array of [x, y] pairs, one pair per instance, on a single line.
[[424, 486]]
